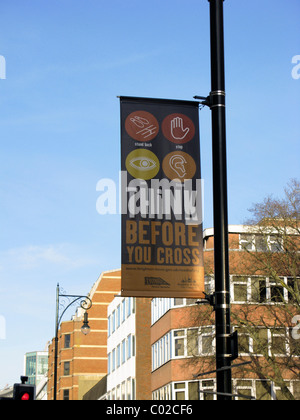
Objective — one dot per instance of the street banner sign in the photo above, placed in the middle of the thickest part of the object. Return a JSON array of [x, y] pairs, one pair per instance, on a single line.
[[161, 199]]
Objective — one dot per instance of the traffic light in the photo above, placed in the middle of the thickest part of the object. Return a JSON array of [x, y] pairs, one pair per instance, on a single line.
[[23, 392]]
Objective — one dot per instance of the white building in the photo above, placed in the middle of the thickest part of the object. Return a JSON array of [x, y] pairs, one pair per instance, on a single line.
[[121, 377]]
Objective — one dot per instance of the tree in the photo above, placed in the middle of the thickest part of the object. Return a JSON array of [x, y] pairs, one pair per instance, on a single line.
[[276, 223], [272, 247], [266, 283]]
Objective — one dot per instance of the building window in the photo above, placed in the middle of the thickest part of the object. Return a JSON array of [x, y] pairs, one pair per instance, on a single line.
[[42, 365], [191, 390], [160, 306], [123, 351], [245, 342], [245, 389], [66, 395], [263, 390], [186, 391], [279, 342], [133, 346], [258, 290], [113, 360], [262, 290], [129, 390], [206, 341], [247, 242], [260, 341], [209, 284], [119, 356], [67, 344], [240, 288], [113, 320], [268, 342], [192, 342], [260, 390], [275, 244], [118, 316], [261, 243], [179, 343], [67, 368], [178, 302], [161, 351], [296, 390], [207, 389], [133, 388], [277, 292], [109, 326], [123, 310], [109, 363], [293, 289], [294, 343], [128, 307], [123, 390], [118, 392], [31, 366], [179, 391], [129, 347]]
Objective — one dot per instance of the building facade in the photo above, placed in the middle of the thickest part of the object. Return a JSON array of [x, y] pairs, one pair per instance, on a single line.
[[35, 366], [263, 307], [129, 349]]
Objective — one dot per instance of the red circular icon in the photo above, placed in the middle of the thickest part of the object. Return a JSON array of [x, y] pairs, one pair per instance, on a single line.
[[142, 126], [178, 128]]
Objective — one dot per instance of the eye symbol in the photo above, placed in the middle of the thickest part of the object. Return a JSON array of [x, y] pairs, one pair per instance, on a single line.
[[143, 164]]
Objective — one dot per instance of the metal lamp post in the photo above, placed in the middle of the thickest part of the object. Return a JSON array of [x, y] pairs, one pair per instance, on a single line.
[[222, 282], [86, 304], [226, 343]]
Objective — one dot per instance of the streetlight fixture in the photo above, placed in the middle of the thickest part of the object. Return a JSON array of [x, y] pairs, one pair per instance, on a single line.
[[86, 304], [85, 329]]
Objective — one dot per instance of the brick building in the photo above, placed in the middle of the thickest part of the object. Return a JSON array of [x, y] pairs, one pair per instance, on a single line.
[[183, 333], [82, 360]]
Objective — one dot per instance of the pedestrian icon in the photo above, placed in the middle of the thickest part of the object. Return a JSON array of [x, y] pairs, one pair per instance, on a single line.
[[142, 126]]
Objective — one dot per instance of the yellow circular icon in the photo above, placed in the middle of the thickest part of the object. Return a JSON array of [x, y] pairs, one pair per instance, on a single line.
[[142, 164]]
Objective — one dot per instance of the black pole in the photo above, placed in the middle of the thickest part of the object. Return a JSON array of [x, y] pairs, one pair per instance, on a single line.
[[86, 304], [222, 279]]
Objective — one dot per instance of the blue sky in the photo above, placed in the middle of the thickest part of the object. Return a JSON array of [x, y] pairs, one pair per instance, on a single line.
[[66, 62]]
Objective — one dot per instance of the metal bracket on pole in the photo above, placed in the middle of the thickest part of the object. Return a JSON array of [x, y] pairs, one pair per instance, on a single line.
[[214, 100], [209, 300], [205, 100]]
